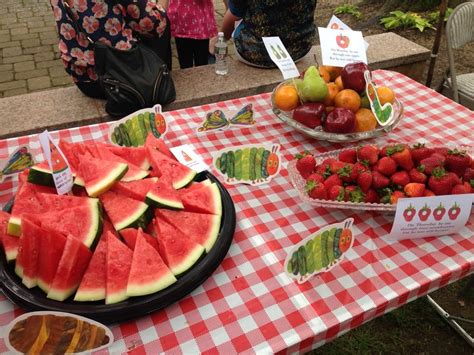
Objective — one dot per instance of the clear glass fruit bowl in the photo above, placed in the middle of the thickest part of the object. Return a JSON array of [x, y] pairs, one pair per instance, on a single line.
[[299, 183], [318, 133]]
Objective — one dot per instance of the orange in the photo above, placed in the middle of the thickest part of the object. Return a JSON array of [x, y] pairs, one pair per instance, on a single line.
[[365, 120], [332, 92], [385, 95], [286, 98], [324, 73], [349, 99], [339, 83], [334, 72]]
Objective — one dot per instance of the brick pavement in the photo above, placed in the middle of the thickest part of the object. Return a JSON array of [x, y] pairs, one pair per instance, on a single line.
[[29, 59]]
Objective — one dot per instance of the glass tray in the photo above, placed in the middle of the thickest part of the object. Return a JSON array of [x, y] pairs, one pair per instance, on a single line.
[[319, 134]]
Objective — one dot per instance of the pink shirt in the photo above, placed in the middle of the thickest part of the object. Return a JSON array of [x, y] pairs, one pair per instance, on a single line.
[[192, 19]]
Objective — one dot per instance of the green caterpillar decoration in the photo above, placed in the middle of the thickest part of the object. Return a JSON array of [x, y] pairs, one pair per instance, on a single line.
[[250, 164], [321, 252]]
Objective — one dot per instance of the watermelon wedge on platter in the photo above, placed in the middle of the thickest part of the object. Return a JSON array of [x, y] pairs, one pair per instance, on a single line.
[[119, 261], [178, 251], [125, 212], [157, 144], [163, 194], [206, 199], [27, 259], [201, 227], [135, 189], [71, 268], [135, 156], [40, 174], [70, 227], [100, 175], [148, 273]]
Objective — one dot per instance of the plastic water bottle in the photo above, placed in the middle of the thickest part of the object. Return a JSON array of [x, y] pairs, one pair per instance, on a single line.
[[221, 55]]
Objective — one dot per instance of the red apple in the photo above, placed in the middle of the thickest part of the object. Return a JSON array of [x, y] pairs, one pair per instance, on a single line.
[[310, 114], [353, 76], [339, 120]]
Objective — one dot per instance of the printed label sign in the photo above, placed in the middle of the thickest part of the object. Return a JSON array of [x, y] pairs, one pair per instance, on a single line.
[[187, 156], [57, 162], [431, 216], [335, 23], [341, 47], [280, 56]]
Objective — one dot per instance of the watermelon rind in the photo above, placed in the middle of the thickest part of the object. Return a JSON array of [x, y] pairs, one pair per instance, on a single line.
[[40, 175], [158, 201], [140, 174], [187, 263], [79, 181], [184, 180], [14, 226], [138, 218], [152, 287], [95, 228], [107, 181]]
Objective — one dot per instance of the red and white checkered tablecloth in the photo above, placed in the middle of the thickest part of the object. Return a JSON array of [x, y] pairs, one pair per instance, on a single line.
[[249, 304]]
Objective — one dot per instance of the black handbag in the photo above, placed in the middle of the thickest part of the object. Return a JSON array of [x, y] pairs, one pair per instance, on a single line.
[[131, 79]]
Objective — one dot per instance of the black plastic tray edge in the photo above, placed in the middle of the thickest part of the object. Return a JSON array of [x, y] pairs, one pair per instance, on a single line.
[[35, 300]]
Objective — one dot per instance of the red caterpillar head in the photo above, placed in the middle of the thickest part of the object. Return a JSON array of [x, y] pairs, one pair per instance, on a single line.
[[273, 161], [160, 123]]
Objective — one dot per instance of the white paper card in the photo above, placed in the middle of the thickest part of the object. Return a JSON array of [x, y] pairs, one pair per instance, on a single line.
[[341, 47], [58, 163], [187, 156], [431, 216], [280, 56], [335, 23]]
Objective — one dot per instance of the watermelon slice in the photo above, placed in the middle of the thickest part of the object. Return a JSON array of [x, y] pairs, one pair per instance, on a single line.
[[83, 222], [130, 237], [133, 173], [158, 144], [40, 174], [200, 227], [148, 273], [100, 175], [177, 173], [26, 201], [179, 252], [52, 245], [27, 260], [206, 199], [125, 212], [71, 268], [72, 151], [162, 194], [134, 155], [10, 243], [119, 261], [135, 189]]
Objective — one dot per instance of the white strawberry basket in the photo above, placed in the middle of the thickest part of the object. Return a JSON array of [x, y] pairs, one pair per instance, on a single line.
[[299, 183]]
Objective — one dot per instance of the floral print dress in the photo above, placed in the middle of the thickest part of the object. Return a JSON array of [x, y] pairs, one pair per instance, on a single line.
[[114, 22], [291, 20], [192, 19]]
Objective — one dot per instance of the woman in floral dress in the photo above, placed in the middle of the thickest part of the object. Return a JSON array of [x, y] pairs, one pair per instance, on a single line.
[[291, 20], [114, 22]]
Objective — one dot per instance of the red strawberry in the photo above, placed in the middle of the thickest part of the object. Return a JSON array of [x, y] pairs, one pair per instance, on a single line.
[[379, 181], [468, 174], [454, 178], [331, 181], [348, 156], [414, 189], [328, 161], [305, 164], [441, 151], [432, 162], [336, 193], [428, 193], [335, 166], [386, 166], [400, 178], [347, 173], [469, 186], [402, 156], [383, 151], [457, 161], [396, 195], [417, 176], [371, 196], [420, 152], [364, 180], [315, 177], [360, 167], [370, 153], [323, 169], [460, 189], [354, 194], [440, 182], [316, 190]]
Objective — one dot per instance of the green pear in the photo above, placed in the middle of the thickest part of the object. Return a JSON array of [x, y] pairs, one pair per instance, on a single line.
[[314, 89], [299, 85]]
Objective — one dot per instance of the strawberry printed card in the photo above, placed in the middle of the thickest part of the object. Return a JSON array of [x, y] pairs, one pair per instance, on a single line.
[[431, 216]]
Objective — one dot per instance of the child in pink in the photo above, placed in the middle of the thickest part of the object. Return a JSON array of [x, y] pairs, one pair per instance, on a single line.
[[192, 25]]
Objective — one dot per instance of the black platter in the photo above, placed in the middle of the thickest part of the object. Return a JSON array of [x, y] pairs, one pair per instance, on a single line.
[[35, 300]]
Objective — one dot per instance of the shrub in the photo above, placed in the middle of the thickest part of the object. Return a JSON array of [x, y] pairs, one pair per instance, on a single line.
[[398, 19], [348, 9]]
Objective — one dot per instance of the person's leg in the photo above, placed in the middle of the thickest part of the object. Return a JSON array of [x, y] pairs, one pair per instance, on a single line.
[[161, 46], [201, 51], [184, 47], [91, 89]]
